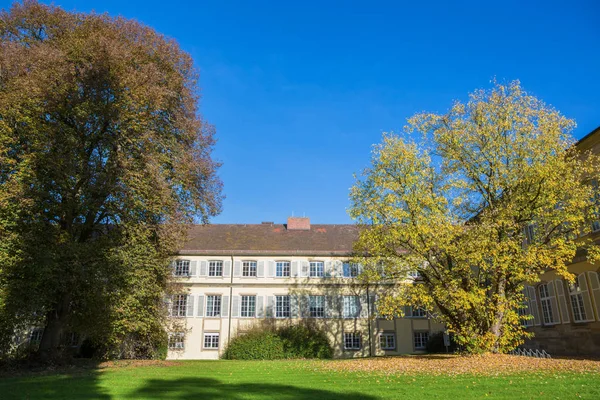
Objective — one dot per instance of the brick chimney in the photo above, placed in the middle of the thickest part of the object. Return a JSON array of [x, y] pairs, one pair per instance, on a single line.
[[298, 224]]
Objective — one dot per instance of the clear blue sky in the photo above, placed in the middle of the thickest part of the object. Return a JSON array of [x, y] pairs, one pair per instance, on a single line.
[[300, 90]]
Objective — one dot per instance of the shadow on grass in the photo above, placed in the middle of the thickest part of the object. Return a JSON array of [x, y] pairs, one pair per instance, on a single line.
[[212, 389]]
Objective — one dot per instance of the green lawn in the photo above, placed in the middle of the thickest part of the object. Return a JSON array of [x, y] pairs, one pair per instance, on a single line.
[[286, 380]]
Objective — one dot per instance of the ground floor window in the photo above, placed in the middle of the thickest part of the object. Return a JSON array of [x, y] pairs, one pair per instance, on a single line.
[[420, 340], [211, 340], [248, 309], [317, 306], [282, 307], [176, 340], [36, 336], [352, 341], [387, 341]]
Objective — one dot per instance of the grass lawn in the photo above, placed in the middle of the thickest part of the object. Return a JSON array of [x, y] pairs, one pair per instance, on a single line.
[[394, 378]]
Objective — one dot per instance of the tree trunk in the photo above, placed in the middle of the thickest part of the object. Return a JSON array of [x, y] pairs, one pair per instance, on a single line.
[[496, 328], [56, 321]]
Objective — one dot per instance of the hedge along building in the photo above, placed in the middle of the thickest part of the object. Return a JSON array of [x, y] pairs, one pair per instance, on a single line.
[[234, 277], [566, 317]]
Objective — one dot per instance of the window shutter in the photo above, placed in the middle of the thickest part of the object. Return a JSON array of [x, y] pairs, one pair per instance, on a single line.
[[562, 301], [260, 307], [227, 268], [294, 306], [193, 268], [533, 306], [555, 310], [346, 270], [304, 304], [526, 307], [329, 307], [200, 311], [328, 273], [338, 268], [587, 304], [304, 268], [595, 291], [203, 268], [260, 269], [364, 306], [224, 306], [271, 268], [237, 268], [169, 303], [235, 306], [172, 266], [190, 306], [270, 306], [373, 305], [294, 271]]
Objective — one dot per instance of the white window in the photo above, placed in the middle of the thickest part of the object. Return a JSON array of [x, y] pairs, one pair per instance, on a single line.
[[317, 269], [176, 341], [414, 274], [211, 340], [546, 301], [352, 341], [420, 340], [182, 268], [387, 341], [215, 268], [282, 307], [249, 268], [213, 306], [248, 308], [282, 268], [350, 270], [36, 336], [577, 302], [351, 306], [178, 305], [316, 306]]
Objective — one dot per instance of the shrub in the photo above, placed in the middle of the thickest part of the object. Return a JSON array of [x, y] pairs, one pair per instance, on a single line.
[[301, 341], [258, 344]]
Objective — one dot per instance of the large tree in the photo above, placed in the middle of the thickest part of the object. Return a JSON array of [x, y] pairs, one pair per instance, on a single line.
[[478, 201], [104, 159]]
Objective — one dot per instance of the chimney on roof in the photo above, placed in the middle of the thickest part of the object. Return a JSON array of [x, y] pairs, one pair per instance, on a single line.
[[298, 224]]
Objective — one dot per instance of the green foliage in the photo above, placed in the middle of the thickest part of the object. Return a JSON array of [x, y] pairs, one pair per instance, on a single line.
[[302, 341], [257, 344], [492, 194], [104, 160], [268, 343]]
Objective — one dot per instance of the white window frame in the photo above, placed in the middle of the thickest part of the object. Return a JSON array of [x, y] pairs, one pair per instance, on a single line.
[[176, 341], [352, 341], [385, 338], [576, 302], [316, 310], [179, 305], [546, 303], [316, 269], [283, 306], [352, 268], [248, 306], [283, 269], [182, 268], [249, 269], [214, 302], [215, 268], [35, 337], [418, 312], [211, 341], [351, 306], [420, 339]]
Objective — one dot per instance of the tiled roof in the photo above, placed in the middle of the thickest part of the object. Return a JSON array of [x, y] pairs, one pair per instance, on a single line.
[[270, 239]]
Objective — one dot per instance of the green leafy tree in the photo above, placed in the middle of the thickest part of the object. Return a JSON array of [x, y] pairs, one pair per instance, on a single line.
[[490, 195], [104, 160]]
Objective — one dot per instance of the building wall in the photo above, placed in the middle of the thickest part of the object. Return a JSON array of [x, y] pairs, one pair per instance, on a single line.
[[231, 286]]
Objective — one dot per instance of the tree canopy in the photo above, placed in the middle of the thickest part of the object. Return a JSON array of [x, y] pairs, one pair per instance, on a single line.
[[104, 160], [478, 201]]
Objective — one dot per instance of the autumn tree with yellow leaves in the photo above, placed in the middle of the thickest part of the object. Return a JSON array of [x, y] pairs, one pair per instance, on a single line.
[[478, 201]]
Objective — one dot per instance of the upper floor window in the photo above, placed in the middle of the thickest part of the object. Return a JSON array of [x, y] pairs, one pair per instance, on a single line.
[[352, 340], [351, 307], [215, 268], [282, 307], [248, 306], [350, 270], [178, 305], [419, 312], [282, 269], [316, 306], [213, 306], [546, 302], [577, 304], [414, 274], [317, 269], [182, 268], [596, 200], [249, 268]]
